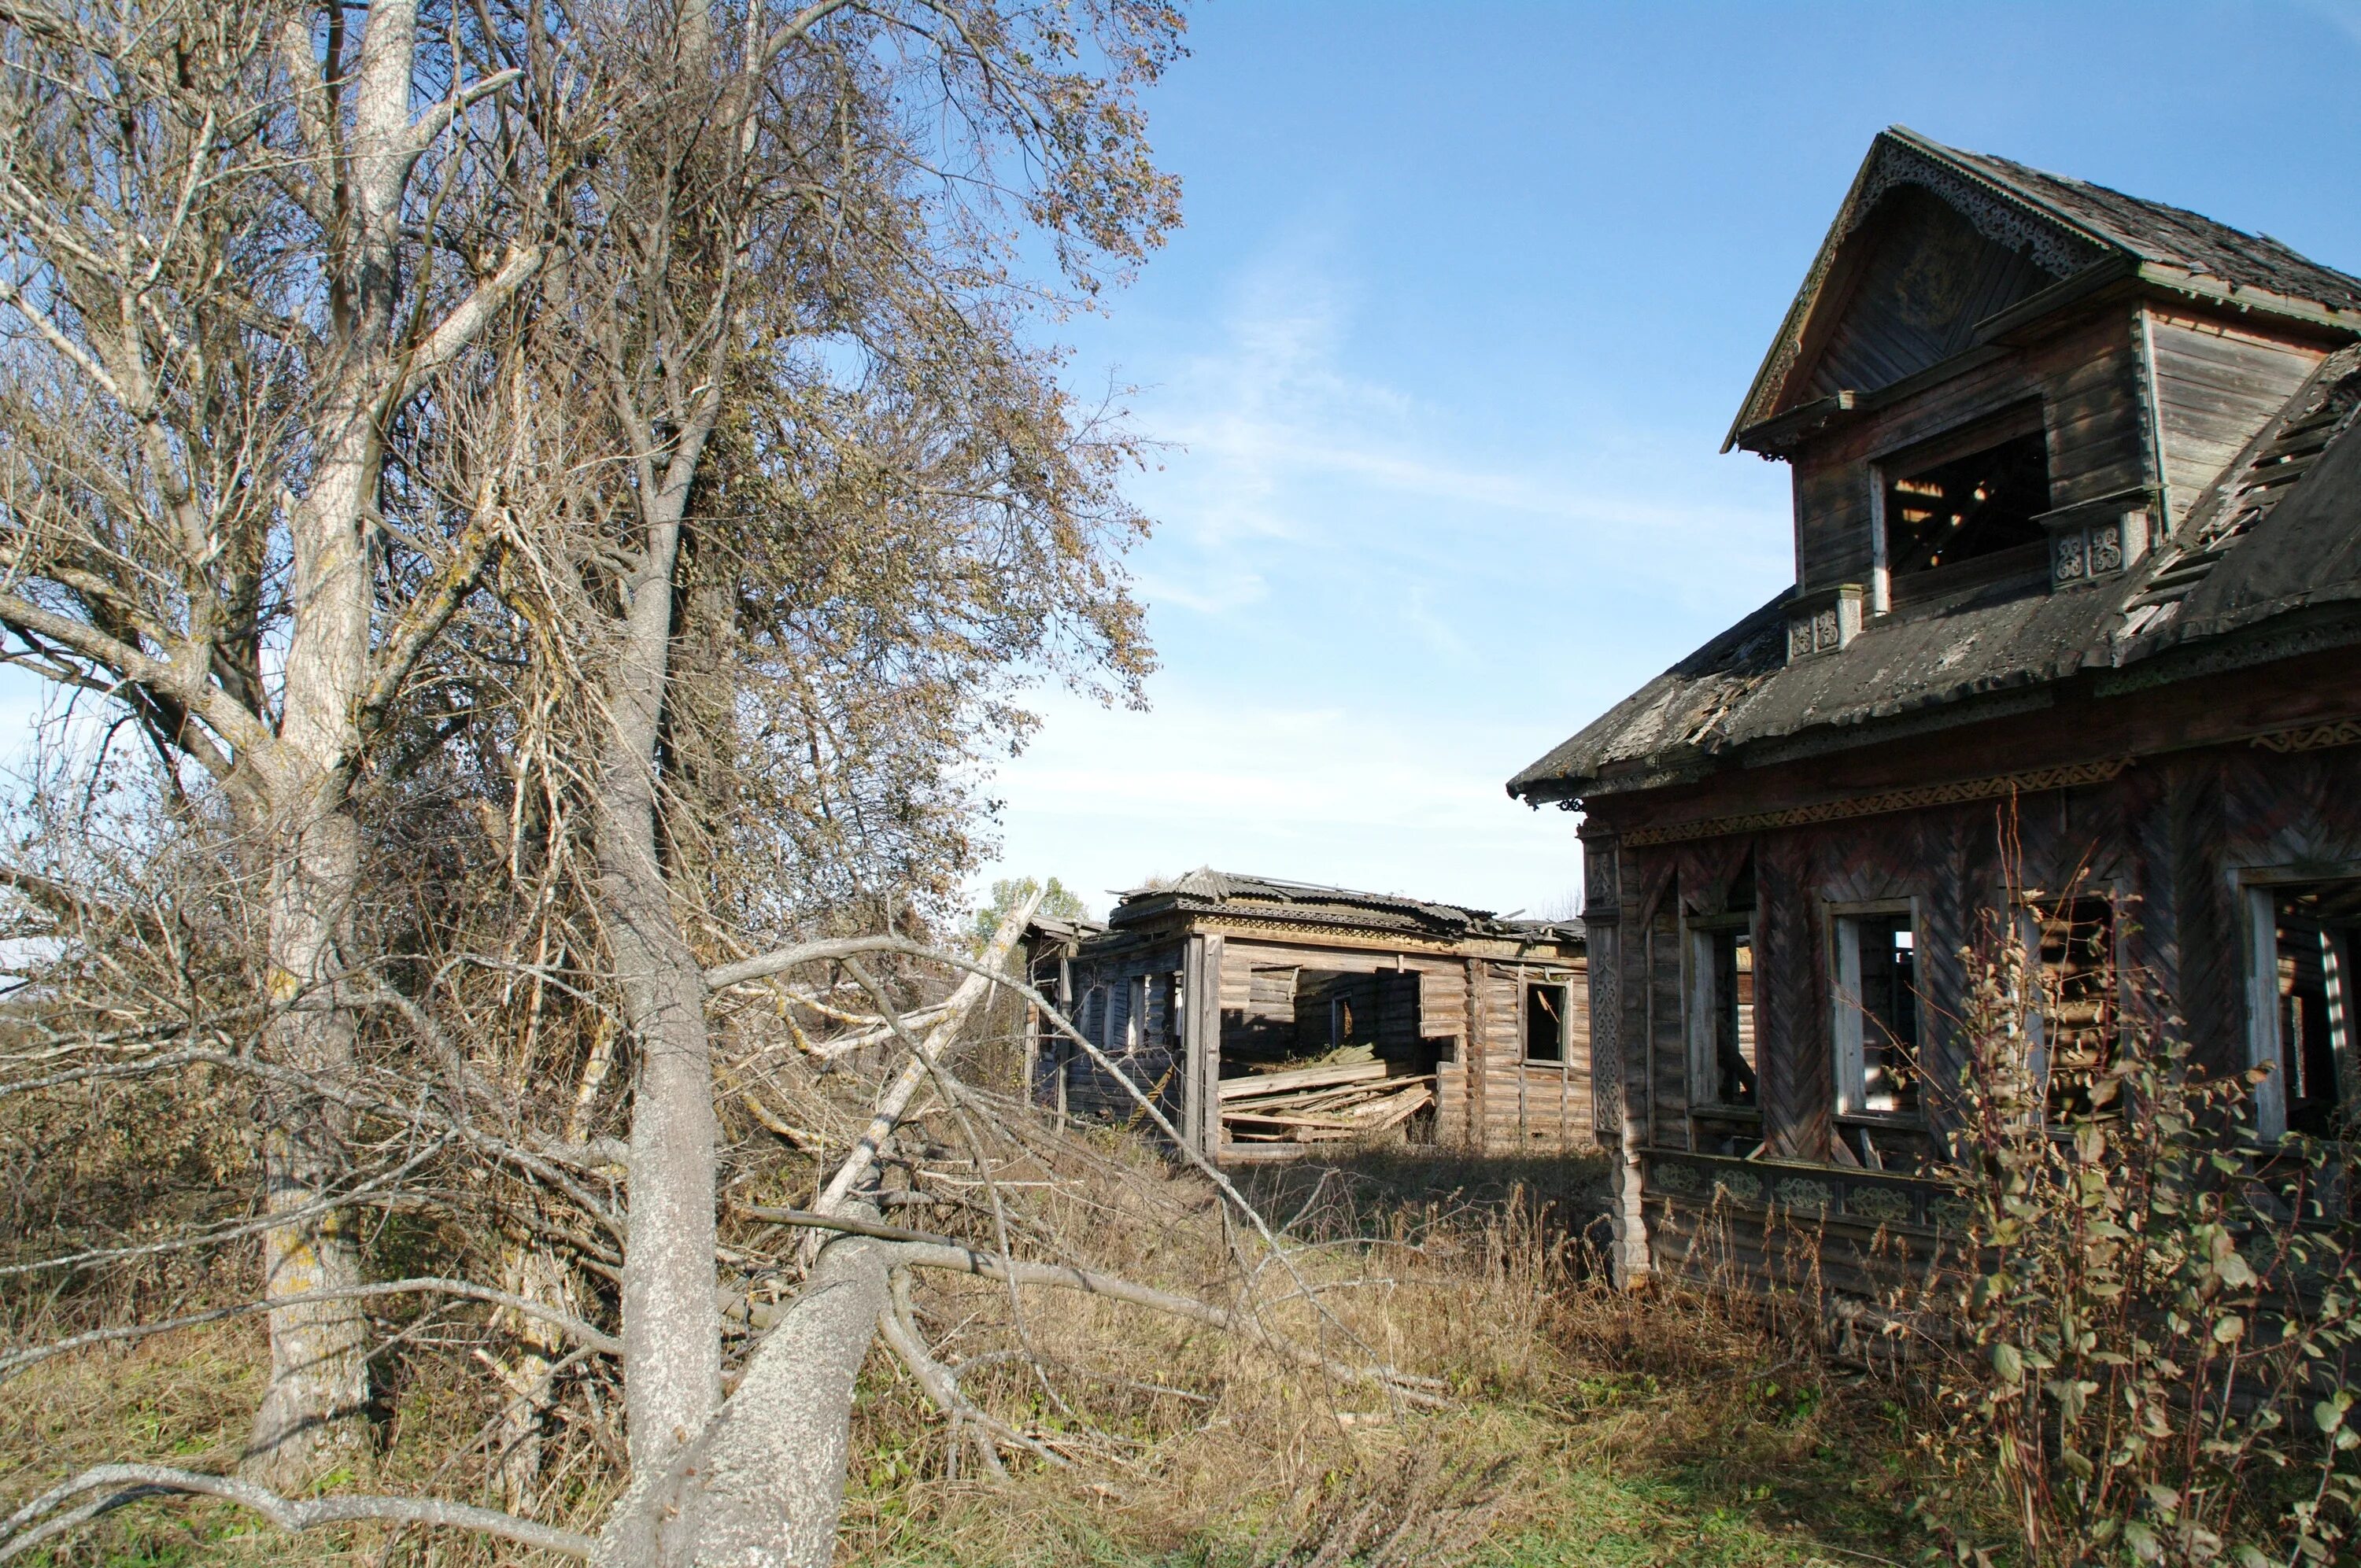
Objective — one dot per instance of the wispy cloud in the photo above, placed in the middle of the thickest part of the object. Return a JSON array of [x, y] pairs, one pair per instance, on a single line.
[[1281, 447], [1384, 801], [1373, 608]]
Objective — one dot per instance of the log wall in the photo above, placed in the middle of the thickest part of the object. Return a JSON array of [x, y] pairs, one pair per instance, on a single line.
[[2171, 836], [1436, 1008]]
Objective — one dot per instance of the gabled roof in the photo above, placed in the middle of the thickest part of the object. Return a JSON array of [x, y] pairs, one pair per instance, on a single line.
[[2069, 231], [1207, 892], [2277, 539]]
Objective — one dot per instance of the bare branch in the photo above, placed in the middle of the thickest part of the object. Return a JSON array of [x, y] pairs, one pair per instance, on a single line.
[[921, 1249], [24, 1530], [18, 1361]]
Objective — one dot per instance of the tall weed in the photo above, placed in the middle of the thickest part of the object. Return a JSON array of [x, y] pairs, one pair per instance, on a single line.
[[2158, 1325]]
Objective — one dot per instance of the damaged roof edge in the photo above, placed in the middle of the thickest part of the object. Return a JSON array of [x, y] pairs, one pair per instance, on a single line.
[[1230, 894]]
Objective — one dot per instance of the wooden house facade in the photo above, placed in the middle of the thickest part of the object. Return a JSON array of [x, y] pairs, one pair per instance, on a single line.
[[1269, 1019], [2074, 647]]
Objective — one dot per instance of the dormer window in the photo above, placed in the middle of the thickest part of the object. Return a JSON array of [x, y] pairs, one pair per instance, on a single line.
[[1944, 506]]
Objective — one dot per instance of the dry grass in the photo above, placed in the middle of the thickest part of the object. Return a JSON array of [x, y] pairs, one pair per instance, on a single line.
[[1585, 1426], [1588, 1426]]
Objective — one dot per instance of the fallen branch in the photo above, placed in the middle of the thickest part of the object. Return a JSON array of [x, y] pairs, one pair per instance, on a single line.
[[580, 1332], [785, 958], [891, 1105], [898, 1326], [922, 1249], [24, 1530]]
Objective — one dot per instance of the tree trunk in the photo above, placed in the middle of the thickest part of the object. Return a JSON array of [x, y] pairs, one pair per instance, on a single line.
[[671, 1325], [763, 1485], [311, 1417]]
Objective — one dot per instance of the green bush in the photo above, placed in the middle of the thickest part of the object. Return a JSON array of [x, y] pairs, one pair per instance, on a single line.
[[2157, 1318]]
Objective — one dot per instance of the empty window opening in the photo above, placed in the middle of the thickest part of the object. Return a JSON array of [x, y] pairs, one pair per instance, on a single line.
[[1977, 504], [2075, 1024], [1721, 1014], [1546, 1023], [1135, 1015], [1342, 1026], [2305, 941], [1877, 1015]]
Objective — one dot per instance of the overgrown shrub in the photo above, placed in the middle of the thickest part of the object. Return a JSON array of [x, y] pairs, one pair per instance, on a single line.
[[2158, 1315]]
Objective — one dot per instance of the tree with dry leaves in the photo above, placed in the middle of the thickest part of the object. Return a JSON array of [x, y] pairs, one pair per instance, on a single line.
[[549, 522], [243, 242]]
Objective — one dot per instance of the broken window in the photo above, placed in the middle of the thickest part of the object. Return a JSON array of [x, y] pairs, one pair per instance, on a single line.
[[1721, 1013], [2075, 1024], [1877, 1024], [1134, 1014], [1963, 507], [2304, 941], [1545, 1013]]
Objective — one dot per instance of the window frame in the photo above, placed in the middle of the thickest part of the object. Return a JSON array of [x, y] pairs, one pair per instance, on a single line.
[[1698, 1011], [2025, 909], [1848, 1036], [1563, 985], [2257, 888], [2022, 417]]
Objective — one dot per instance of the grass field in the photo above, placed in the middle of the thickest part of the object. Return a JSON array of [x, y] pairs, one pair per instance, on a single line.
[[1585, 1426]]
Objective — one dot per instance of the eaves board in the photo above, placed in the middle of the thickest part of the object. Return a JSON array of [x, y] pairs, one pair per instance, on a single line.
[[1369, 941]]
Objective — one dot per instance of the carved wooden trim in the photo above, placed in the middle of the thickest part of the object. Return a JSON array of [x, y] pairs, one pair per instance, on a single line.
[[2313, 736], [1910, 799]]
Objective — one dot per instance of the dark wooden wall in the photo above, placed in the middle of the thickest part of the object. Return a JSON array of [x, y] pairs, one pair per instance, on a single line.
[[2169, 837], [2088, 379], [1154, 1062], [2216, 384], [1915, 282]]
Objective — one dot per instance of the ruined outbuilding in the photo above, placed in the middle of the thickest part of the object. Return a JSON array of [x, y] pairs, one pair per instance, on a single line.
[[2074, 645], [1269, 1019]]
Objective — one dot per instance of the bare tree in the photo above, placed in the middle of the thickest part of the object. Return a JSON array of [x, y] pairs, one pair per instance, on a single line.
[[763, 480], [236, 251], [778, 199]]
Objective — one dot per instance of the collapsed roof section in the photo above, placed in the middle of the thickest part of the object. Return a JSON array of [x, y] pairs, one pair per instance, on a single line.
[[1208, 892]]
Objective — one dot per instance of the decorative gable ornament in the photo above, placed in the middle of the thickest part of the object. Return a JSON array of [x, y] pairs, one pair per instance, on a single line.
[[1824, 621], [2097, 539]]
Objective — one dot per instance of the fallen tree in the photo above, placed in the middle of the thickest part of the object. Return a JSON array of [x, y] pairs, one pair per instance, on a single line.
[[762, 1480]]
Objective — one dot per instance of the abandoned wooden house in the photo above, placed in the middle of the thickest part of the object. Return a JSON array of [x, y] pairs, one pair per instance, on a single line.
[[2074, 643], [1271, 1018]]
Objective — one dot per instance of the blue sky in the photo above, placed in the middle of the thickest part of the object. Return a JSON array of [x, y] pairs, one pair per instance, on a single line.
[[1466, 300]]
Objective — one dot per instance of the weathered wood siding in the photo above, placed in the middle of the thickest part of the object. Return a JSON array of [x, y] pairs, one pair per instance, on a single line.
[[1912, 296], [1808, 1231], [2274, 787], [1152, 1062], [2088, 379], [2216, 385], [1456, 1014]]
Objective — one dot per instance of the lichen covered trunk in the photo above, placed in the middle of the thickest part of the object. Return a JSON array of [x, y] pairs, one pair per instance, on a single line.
[[672, 1327], [311, 1415]]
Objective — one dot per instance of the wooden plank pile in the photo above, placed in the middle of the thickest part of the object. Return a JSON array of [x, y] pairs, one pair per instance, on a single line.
[[1335, 1102]]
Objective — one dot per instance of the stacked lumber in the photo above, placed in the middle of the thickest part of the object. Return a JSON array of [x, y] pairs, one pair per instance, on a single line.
[[1331, 1103]]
